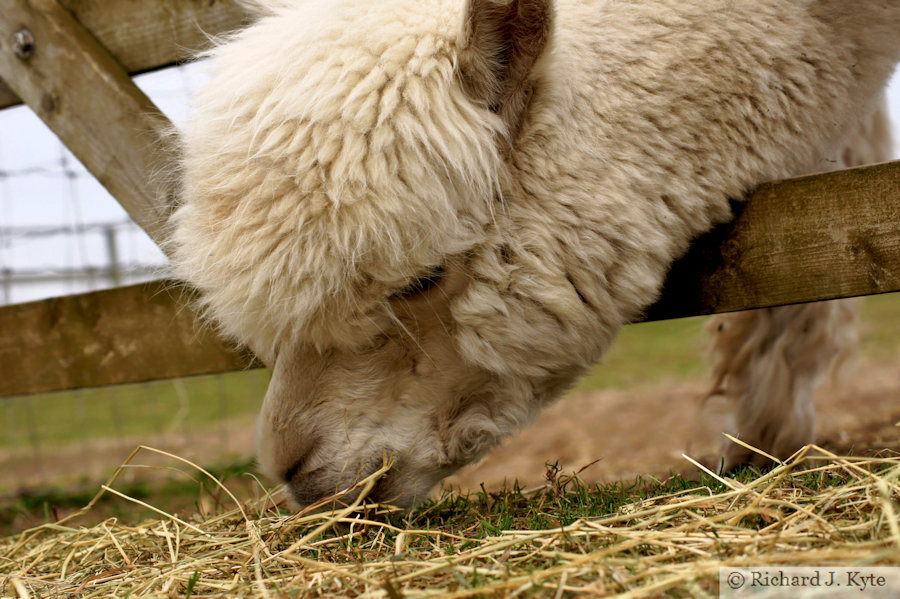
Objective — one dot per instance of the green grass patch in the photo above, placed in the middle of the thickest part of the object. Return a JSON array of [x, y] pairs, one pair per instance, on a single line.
[[652, 352], [880, 326], [675, 350], [565, 500], [177, 405]]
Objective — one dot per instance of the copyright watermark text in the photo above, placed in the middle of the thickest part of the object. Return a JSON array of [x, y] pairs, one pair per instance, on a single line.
[[807, 582]]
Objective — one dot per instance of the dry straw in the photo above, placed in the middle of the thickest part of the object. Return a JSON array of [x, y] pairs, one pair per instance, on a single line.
[[815, 509]]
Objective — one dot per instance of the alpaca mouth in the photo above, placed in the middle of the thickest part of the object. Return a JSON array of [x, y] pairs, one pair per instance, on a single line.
[[386, 491], [335, 490]]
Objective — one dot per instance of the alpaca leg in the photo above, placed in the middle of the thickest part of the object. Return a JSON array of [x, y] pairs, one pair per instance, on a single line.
[[770, 362]]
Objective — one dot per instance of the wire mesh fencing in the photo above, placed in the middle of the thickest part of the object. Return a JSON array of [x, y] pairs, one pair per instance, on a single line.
[[76, 438], [62, 233]]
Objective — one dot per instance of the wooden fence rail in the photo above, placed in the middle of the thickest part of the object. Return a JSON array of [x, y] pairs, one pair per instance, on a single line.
[[811, 238], [143, 35]]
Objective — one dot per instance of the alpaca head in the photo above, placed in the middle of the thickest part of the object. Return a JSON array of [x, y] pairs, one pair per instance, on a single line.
[[427, 217], [345, 195]]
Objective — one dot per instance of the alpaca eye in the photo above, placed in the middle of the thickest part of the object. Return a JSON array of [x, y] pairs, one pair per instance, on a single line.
[[423, 283]]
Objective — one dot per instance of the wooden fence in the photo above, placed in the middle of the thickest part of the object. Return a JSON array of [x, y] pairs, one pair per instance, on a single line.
[[811, 238]]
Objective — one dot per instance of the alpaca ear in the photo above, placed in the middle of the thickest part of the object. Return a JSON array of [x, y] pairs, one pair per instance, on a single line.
[[500, 42]]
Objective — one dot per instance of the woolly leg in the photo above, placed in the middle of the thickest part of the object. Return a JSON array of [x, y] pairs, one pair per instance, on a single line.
[[770, 361]]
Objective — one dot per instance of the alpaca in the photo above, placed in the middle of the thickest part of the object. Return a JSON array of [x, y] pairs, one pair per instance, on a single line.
[[429, 218]]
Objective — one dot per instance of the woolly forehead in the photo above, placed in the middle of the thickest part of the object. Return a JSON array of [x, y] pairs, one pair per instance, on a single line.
[[333, 157], [356, 83]]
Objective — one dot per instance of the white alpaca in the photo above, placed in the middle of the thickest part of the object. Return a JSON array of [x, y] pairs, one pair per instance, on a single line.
[[428, 218]]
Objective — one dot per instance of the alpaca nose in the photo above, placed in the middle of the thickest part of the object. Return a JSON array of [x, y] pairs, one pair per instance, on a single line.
[[325, 482]]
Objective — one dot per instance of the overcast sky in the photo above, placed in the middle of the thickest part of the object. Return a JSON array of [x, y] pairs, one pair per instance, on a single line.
[[43, 185]]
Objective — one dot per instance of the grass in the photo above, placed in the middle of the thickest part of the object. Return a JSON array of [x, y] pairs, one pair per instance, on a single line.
[[68, 417], [880, 323], [674, 350], [652, 352], [638, 539]]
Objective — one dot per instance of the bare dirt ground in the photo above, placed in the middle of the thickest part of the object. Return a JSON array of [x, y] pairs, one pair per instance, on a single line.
[[645, 430], [622, 433]]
